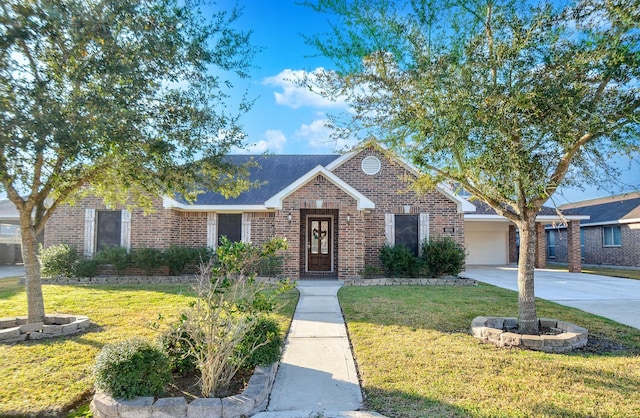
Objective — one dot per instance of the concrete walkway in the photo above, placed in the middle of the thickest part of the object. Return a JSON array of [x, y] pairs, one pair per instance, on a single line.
[[611, 297], [317, 375]]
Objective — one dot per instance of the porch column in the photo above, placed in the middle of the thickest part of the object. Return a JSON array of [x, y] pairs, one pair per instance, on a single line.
[[574, 253], [513, 248], [541, 246]]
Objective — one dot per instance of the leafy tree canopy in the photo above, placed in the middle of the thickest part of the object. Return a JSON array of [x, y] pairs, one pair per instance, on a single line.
[[508, 99], [127, 96]]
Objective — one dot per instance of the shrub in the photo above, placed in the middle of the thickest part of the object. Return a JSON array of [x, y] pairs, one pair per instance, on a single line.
[[176, 258], [147, 259], [132, 368], [271, 266], [85, 268], [399, 261], [58, 260], [370, 271], [118, 257], [443, 256], [261, 344], [178, 345]]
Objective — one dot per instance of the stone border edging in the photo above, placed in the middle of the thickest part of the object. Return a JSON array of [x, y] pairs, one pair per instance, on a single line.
[[442, 281], [16, 329], [184, 279], [491, 329], [252, 400]]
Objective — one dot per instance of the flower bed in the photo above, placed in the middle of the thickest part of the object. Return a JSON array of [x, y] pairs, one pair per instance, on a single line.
[[16, 329], [252, 400], [555, 337]]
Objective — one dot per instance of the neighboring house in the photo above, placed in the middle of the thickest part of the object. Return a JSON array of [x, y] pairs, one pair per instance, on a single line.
[[10, 241], [336, 212], [611, 236]]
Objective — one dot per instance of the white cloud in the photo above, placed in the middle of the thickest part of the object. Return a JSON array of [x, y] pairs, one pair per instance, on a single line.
[[296, 96], [318, 135], [273, 142]]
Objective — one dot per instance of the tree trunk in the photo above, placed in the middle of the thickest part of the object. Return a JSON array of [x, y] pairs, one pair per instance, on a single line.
[[527, 315], [35, 300]]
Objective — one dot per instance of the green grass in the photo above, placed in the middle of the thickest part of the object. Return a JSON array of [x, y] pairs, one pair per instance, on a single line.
[[416, 358], [48, 377], [602, 271]]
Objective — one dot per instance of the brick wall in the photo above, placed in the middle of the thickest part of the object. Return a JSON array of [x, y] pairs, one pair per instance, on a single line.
[[627, 254], [390, 190]]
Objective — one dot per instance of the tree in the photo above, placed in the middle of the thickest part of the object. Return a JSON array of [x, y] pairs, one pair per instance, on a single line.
[[507, 99], [124, 99]]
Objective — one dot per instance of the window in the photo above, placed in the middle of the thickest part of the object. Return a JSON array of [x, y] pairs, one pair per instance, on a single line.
[[551, 244], [406, 232], [109, 229], [612, 236], [230, 226], [582, 243]]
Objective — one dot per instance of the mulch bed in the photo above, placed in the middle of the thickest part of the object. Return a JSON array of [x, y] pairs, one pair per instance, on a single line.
[[187, 385]]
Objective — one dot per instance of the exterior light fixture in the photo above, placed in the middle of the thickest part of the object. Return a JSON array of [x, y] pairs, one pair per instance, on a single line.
[[289, 218]]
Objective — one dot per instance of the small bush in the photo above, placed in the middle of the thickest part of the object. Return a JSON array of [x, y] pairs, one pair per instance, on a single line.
[[85, 268], [271, 266], [443, 256], [370, 271], [118, 257], [178, 345], [147, 259], [58, 260], [261, 344], [399, 261], [176, 258], [132, 368]]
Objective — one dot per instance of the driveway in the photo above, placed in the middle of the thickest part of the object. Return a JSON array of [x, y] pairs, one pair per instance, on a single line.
[[610, 297], [11, 271]]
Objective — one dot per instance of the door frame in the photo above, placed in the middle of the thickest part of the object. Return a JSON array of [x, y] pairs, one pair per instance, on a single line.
[[307, 243]]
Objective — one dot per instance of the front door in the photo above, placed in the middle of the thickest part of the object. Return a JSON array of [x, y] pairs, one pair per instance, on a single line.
[[319, 244]]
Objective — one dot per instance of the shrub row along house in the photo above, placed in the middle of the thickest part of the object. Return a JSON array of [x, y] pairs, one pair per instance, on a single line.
[[336, 212]]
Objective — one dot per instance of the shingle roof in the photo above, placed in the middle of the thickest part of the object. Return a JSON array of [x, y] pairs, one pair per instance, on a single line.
[[273, 172], [484, 209], [612, 211], [8, 210]]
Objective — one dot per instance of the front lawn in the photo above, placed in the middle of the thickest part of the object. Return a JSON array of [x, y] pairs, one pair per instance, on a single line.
[[416, 358], [48, 377], [626, 273]]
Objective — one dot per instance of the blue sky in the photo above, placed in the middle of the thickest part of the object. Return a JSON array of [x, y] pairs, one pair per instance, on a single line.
[[287, 119]]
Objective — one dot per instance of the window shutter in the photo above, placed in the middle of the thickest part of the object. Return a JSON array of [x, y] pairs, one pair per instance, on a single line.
[[125, 229], [389, 229], [246, 227], [423, 230], [89, 232], [212, 230]]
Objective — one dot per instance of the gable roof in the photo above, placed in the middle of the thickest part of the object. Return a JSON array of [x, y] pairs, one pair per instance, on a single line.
[[546, 214], [363, 201], [279, 175], [610, 210], [8, 210], [273, 173]]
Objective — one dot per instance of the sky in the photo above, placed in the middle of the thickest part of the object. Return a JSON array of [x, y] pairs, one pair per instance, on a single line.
[[287, 119]]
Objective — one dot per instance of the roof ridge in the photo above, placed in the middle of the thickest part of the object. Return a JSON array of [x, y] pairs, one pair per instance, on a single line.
[[602, 200]]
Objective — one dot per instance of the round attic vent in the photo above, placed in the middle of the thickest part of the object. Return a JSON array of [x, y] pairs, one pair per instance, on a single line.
[[371, 165]]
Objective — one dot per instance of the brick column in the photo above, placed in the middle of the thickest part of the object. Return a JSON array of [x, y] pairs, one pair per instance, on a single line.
[[574, 254], [513, 248], [541, 246]]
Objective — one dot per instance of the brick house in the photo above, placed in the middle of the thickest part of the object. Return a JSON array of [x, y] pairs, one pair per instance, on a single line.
[[336, 212], [611, 236]]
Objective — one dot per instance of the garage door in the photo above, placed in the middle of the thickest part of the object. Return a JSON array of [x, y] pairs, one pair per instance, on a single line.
[[487, 247]]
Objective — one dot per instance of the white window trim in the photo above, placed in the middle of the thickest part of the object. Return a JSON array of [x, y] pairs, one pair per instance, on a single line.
[[614, 245], [245, 232], [212, 230], [125, 229], [89, 232], [423, 230], [390, 229]]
